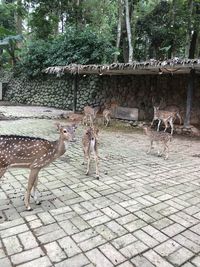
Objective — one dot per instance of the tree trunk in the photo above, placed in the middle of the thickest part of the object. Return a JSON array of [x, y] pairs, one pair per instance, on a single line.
[[193, 45], [189, 26], [18, 17], [128, 29], [196, 55], [119, 28], [172, 50]]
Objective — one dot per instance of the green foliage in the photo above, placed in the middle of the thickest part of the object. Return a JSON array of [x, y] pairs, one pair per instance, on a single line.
[[10, 45], [7, 21], [82, 47], [33, 58], [157, 31]]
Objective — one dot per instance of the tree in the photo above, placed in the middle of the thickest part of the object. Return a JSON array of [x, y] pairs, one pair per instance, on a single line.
[[128, 30], [119, 28]]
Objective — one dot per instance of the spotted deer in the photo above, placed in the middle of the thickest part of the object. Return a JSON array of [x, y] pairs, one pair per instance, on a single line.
[[33, 153], [166, 116], [90, 146], [177, 112], [158, 137], [90, 115], [106, 116]]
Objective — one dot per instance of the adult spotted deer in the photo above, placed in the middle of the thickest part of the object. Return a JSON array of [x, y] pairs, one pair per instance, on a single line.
[[176, 110], [89, 142], [33, 153], [90, 115], [157, 137], [165, 116]]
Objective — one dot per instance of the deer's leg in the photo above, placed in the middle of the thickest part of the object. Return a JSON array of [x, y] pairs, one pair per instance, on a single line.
[[88, 165], [151, 145], [166, 148], [179, 116], [91, 121], [172, 126], [166, 125], [85, 156], [158, 150], [97, 164], [158, 128], [2, 171], [31, 180], [35, 195], [107, 120]]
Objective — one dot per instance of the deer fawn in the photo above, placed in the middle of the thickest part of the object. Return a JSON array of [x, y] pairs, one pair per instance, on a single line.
[[158, 137], [106, 116], [89, 142], [90, 115], [33, 153]]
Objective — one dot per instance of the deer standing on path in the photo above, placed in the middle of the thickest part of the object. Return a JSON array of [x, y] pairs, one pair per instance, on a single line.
[[89, 142], [90, 115], [165, 117], [157, 137], [106, 116], [33, 153]]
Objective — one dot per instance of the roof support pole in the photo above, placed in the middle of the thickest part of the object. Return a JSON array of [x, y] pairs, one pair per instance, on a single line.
[[190, 90], [75, 89]]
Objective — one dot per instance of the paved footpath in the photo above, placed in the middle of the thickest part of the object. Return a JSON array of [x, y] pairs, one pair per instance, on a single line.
[[143, 212]]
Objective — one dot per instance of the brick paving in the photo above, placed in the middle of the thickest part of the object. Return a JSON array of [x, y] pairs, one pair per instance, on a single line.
[[143, 212]]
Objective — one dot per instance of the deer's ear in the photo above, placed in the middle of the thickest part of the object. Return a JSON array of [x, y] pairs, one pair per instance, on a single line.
[[74, 125], [57, 125]]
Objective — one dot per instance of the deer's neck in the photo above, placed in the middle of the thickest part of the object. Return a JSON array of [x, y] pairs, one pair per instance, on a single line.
[[60, 147]]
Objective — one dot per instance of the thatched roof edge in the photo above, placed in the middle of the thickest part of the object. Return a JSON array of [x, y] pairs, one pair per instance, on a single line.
[[106, 68]]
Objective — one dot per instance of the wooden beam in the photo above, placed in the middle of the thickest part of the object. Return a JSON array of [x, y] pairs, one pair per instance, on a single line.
[[75, 89], [190, 90]]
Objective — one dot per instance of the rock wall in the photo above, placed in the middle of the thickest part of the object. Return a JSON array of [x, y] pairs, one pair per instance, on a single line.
[[128, 91]]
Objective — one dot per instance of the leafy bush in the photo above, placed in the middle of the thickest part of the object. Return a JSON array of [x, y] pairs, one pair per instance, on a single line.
[[81, 47]]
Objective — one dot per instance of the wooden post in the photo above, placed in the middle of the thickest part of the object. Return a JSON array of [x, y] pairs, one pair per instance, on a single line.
[[75, 87], [190, 90]]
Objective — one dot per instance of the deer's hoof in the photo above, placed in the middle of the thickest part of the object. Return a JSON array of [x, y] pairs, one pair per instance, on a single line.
[[97, 177], [38, 202], [87, 173], [29, 208]]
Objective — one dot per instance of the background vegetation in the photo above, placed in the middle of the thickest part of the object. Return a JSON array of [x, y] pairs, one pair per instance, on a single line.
[[41, 33]]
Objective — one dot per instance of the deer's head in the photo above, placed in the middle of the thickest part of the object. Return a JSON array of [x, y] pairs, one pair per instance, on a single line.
[[67, 132], [92, 133]]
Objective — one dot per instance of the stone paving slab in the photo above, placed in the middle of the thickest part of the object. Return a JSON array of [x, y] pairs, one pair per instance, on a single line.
[[143, 212]]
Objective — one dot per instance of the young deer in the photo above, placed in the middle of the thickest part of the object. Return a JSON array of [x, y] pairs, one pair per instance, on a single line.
[[33, 153], [157, 137], [90, 115], [89, 142], [106, 116]]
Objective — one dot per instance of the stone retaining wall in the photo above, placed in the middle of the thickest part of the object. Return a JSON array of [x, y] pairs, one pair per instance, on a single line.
[[128, 91]]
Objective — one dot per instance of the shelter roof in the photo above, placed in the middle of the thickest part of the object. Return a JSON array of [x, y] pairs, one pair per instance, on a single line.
[[152, 66]]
